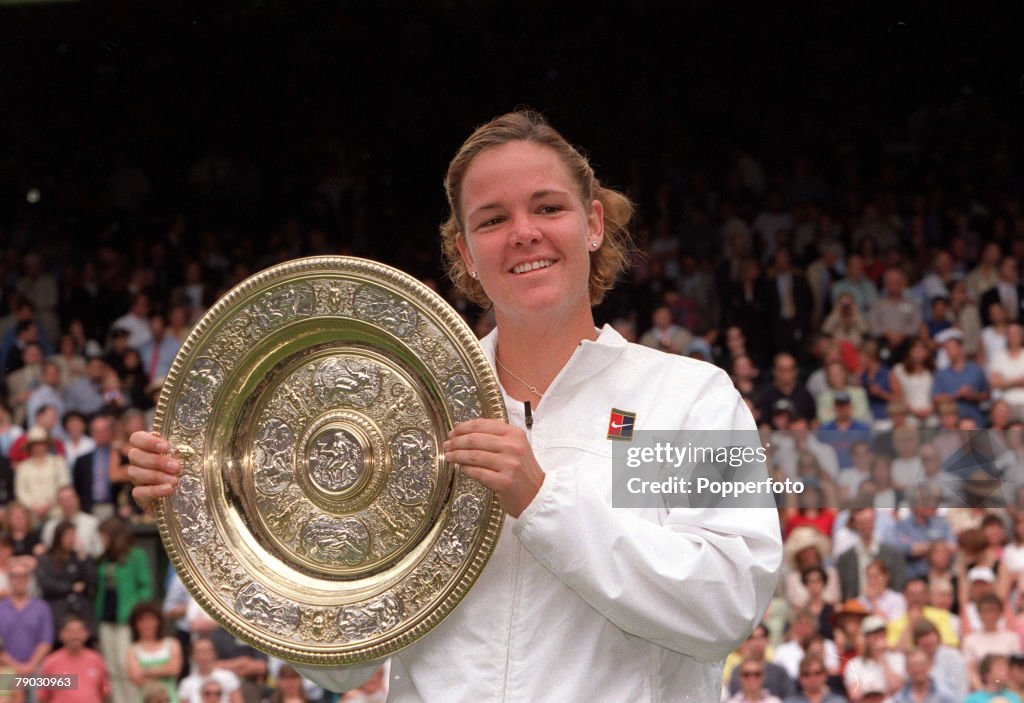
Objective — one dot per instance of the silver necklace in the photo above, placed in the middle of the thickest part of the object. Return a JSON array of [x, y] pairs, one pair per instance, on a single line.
[[510, 372]]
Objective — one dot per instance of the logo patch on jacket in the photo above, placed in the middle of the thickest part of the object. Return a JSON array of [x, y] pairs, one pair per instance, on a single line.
[[620, 424]]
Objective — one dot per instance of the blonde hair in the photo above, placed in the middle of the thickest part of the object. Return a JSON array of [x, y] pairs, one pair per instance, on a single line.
[[610, 259]]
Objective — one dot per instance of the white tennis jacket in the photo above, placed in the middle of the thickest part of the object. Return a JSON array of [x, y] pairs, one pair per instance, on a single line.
[[584, 602]]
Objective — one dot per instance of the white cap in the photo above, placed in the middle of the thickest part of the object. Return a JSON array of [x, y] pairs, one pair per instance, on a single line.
[[981, 573]]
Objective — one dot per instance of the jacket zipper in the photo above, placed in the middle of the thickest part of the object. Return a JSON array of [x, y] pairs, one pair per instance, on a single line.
[[528, 417]]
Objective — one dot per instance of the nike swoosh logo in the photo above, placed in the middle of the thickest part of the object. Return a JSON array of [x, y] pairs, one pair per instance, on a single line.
[[617, 426]]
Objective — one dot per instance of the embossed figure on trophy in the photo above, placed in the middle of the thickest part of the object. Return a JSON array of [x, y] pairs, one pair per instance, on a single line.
[[357, 622], [327, 540], [255, 605], [336, 461], [461, 393], [349, 381], [283, 306], [272, 464], [412, 454]]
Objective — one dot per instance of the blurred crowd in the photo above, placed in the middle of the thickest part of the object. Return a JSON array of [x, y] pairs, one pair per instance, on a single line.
[[850, 257]]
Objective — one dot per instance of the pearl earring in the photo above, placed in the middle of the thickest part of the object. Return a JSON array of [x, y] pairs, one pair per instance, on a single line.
[[472, 274]]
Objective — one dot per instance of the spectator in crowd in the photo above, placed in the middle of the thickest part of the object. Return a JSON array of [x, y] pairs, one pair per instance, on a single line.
[[69, 361], [962, 381], [993, 336], [985, 274], [963, 313], [205, 673], [664, 334], [26, 379], [153, 658], [856, 472], [803, 625], [752, 688], [915, 534], [87, 537], [22, 531], [796, 441], [994, 671], [66, 578], [875, 669], [247, 663], [844, 430], [39, 477], [855, 284], [1008, 292], [900, 630], [78, 442], [123, 581], [846, 321], [136, 321], [1016, 683], [47, 419], [992, 638], [755, 648], [790, 303], [74, 658], [289, 688], [853, 563], [877, 596], [85, 395], [1006, 371], [786, 386], [9, 431], [26, 625], [875, 378], [894, 318], [1011, 566], [949, 671], [159, 352], [813, 683], [47, 391], [912, 380], [920, 687], [805, 548], [91, 473]]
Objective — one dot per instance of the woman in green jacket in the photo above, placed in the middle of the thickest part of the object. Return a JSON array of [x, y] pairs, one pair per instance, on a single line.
[[123, 581]]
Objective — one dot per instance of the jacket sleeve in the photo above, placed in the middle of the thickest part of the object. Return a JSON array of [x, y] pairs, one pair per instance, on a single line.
[[696, 581]]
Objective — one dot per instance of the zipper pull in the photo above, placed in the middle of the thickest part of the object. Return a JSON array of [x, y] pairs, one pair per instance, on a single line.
[[529, 415]]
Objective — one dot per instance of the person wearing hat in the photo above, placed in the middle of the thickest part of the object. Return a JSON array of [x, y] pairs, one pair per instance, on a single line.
[[38, 478], [844, 430], [839, 387], [962, 381], [994, 637], [876, 669], [807, 547]]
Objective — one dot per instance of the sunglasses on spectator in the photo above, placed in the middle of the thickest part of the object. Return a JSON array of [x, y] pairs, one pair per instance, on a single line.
[[751, 674]]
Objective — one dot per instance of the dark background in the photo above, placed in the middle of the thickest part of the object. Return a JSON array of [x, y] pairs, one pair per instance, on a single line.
[[660, 94]]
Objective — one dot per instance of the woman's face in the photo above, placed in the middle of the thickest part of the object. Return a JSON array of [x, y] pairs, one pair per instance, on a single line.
[[67, 540], [147, 625], [527, 233]]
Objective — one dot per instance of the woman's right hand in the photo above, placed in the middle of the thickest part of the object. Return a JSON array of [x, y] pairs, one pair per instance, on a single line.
[[153, 471]]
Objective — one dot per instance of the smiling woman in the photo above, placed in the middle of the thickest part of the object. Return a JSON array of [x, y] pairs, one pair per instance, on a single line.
[[580, 600]]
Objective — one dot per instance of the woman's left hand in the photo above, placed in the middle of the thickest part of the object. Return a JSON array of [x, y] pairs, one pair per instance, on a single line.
[[498, 456]]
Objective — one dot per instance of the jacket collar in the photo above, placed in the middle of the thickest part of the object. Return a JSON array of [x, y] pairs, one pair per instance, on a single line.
[[589, 359]]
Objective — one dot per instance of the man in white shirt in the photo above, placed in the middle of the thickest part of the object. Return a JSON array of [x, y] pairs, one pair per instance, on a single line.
[[190, 690], [87, 536]]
